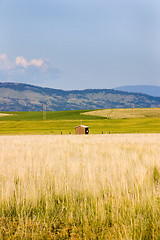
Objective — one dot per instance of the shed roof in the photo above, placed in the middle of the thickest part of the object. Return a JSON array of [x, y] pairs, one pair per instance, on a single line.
[[82, 126]]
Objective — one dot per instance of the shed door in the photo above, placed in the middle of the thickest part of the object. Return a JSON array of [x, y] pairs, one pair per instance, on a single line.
[[86, 131]]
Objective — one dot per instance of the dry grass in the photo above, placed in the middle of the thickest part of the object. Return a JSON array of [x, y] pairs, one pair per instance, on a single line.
[[126, 113], [6, 114], [80, 187]]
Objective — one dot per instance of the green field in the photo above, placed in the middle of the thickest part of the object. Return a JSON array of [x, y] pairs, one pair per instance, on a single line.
[[65, 121]]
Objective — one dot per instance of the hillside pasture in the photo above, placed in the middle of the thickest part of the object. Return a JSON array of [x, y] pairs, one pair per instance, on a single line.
[[65, 121], [50, 115], [126, 113], [80, 187]]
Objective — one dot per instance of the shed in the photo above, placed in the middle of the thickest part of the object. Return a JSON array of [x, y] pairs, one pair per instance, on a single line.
[[81, 129]]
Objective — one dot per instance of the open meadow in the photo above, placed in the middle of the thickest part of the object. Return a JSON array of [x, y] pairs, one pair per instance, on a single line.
[[80, 187], [107, 121]]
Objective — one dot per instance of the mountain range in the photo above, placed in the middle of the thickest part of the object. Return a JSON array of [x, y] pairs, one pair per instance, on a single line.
[[25, 97], [147, 89]]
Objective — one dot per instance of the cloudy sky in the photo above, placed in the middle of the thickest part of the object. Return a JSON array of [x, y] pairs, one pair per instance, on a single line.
[[77, 44]]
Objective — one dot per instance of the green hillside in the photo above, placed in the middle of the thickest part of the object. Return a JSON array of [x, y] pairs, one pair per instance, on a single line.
[[50, 115], [65, 121]]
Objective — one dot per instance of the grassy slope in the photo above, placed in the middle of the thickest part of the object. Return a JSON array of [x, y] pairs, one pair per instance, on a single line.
[[55, 115], [57, 122], [124, 113]]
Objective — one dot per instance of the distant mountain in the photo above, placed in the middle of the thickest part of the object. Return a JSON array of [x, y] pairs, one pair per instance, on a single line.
[[24, 97], [147, 89]]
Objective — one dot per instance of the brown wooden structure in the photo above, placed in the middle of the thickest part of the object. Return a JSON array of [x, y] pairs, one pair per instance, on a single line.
[[81, 129]]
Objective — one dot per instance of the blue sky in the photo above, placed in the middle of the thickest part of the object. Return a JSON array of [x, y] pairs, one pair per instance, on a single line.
[[72, 44]]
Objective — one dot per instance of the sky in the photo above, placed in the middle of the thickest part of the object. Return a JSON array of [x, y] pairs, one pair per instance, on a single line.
[[70, 44]]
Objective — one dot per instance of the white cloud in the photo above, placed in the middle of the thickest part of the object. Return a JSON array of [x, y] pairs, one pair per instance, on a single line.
[[5, 62], [7, 65], [36, 62], [21, 70], [21, 61]]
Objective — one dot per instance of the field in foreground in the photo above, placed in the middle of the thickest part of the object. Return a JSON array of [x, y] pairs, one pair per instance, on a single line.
[[80, 187]]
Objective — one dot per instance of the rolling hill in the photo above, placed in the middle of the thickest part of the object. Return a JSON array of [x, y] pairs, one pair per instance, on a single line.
[[24, 97]]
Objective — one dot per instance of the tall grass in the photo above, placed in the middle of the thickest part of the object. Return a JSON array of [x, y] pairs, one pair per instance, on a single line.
[[80, 187]]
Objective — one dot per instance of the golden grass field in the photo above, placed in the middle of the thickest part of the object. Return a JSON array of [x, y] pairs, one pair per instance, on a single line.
[[80, 187], [126, 113]]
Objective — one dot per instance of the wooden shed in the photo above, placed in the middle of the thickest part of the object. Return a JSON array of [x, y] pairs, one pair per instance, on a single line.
[[81, 129]]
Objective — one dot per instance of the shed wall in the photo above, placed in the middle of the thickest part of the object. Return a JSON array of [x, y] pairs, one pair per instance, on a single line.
[[80, 130]]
